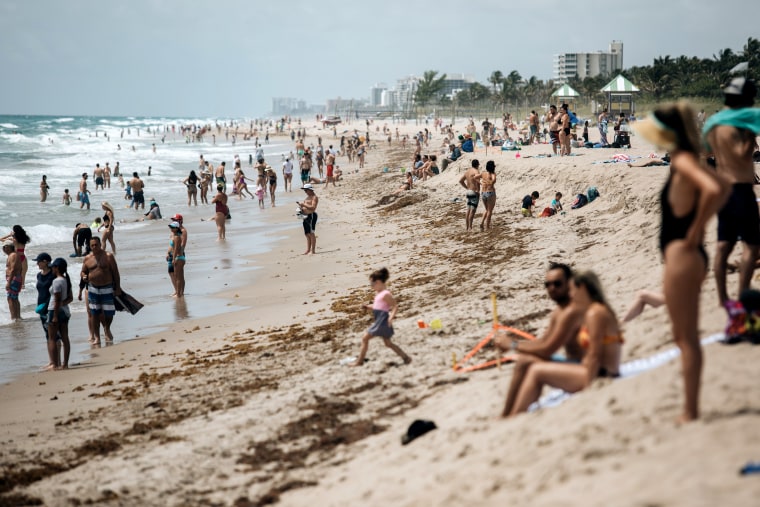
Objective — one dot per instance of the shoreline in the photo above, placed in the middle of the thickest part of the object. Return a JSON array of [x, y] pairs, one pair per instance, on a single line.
[[253, 407]]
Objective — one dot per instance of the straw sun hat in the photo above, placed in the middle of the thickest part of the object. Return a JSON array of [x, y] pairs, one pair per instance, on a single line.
[[656, 132]]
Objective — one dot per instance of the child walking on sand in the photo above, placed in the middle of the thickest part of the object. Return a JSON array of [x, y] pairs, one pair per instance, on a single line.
[[384, 308]]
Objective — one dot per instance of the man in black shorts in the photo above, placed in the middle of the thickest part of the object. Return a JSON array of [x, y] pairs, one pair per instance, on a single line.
[[733, 147], [82, 237], [471, 182]]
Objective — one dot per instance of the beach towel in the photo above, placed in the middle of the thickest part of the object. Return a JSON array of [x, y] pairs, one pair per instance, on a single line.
[[745, 118], [621, 157]]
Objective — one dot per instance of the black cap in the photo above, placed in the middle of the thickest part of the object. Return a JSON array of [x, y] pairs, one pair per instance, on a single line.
[[43, 256]]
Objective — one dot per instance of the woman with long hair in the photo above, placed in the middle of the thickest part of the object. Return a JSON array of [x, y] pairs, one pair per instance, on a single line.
[[191, 182], [108, 226], [488, 193], [59, 314], [692, 194], [599, 335]]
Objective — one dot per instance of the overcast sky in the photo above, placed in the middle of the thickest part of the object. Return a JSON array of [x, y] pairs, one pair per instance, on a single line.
[[230, 57]]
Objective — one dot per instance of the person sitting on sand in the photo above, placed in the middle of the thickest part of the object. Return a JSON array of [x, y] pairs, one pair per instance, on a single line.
[[384, 309], [600, 336], [407, 185], [528, 202], [556, 203], [564, 323], [454, 154]]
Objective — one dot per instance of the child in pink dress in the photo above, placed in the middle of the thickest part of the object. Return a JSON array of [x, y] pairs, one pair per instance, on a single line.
[[384, 309]]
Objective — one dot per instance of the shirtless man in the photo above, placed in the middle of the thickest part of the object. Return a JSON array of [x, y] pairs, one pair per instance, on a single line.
[[564, 323], [533, 123], [471, 182], [330, 169], [81, 239], [309, 209], [12, 280], [138, 188], [84, 194], [97, 175], [107, 175], [733, 147], [100, 271], [552, 119], [220, 178]]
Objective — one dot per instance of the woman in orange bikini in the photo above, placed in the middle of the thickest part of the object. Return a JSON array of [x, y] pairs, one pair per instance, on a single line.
[[599, 335]]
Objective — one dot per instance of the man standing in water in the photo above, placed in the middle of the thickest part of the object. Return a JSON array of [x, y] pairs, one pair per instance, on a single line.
[[100, 271], [97, 175], [731, 136], [138, 187], [471, 182], [220, 178], [84, 194]]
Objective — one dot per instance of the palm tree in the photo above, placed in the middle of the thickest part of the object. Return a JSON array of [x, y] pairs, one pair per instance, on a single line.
[[428, 88], [496, 78]]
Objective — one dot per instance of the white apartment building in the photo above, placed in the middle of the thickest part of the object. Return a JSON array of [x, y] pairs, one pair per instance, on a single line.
[[568, 65]]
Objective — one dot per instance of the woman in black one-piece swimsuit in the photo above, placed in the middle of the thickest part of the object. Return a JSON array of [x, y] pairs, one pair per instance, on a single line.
[[691, 196]]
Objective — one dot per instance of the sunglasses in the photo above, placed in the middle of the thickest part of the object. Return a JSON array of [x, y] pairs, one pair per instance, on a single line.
[[553, 283]]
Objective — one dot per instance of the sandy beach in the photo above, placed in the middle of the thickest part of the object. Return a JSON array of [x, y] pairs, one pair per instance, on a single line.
[[253, 406]]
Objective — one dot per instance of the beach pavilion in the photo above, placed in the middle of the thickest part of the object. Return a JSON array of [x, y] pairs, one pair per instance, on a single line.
[[566, 94], [620, 95]]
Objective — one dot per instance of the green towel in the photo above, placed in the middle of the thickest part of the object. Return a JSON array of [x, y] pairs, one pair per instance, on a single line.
[[745, 118]]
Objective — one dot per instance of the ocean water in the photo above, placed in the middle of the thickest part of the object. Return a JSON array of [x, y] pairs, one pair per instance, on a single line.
[[62, 148]]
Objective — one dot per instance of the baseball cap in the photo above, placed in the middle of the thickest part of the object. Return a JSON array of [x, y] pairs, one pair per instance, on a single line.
[[740, 91], [43, 256], [177, 218], [59, 262]]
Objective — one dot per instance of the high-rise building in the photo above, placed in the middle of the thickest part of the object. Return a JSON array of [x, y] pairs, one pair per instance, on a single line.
[[287, 105], [583, 65], [376, 94]]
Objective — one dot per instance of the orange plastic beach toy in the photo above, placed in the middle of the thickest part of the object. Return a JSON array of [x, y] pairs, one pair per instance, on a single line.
[[494, 362]]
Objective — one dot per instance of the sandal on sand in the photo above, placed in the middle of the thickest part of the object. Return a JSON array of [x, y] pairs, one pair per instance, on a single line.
[[417, 429]]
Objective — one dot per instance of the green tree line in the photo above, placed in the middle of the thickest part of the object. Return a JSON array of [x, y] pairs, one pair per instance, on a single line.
[[667, 78]]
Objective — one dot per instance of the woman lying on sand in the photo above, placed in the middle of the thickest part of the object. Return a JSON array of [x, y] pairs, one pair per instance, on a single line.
[[600, 335]]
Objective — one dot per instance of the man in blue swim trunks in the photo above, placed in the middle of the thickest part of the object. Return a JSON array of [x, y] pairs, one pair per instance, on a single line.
[[564, 324], [84, 194], [100, 271]]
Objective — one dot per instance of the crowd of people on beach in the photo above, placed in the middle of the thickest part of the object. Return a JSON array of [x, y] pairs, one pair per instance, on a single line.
[[583, 324]]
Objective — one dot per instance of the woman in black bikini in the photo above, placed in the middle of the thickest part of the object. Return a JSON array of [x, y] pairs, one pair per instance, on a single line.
[[691, 196], [191, 182]]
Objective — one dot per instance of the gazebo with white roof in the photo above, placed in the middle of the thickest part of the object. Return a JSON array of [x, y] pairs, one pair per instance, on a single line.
[[566, 94], [620, 95]]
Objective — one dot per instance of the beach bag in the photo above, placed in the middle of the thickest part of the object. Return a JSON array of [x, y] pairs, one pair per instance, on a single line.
[[548, 212], [592, 193], [580, 201]]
